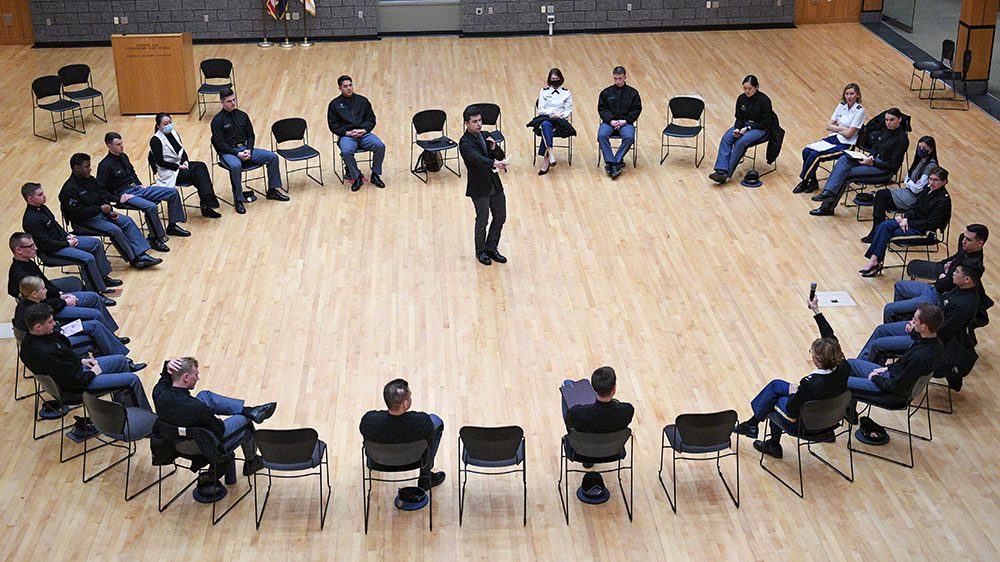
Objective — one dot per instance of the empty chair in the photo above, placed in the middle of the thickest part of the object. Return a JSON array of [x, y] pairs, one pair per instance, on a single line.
[[290, 130], [889, 403], [216, 76], [490, 448], [393, 458], [596, 448], [953, 77], [689, 109], [701, 434], [432, 149], [292, 450], [46, 95], [922, 68], [78, 85]]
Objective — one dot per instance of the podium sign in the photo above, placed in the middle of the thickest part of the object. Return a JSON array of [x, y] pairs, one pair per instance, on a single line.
[[154, 73]]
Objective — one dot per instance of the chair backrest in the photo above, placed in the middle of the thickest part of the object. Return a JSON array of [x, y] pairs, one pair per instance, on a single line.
[[491, 443], [819, 415], [491, 113], [966, 63], [286, 446], [429, 120], [598, 445], [920, 386], [107, 416], [73, 74], [19, 334], [948, 51], [395, 454], [49, 385], [291, 128], [686, 107], [706, 430], [216, 69], [46, 86], [191, 442]]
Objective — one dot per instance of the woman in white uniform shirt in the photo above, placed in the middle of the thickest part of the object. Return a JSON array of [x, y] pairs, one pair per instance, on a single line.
[[173, 165], [555, 102], [845, 123]]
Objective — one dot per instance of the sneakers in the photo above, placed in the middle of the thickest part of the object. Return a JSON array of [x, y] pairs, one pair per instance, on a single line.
[[437, 478], [769, 448], [747, 429]]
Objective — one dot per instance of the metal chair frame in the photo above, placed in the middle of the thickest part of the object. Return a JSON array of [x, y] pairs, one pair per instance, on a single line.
[[753, 157], [564, 471], [340, 170], [950, 75], [21, 370], [924, 67], [245, 176], [463, 476], [920, 388], [49, 386], [275, 147], [415, 136], [323, 506], [702, 131], [153, 176], [77, 95], [367, 477], [665, 444], [75, 109], [901, 246]]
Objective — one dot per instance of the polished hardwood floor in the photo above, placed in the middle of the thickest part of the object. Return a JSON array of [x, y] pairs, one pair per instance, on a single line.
[[693, 292]]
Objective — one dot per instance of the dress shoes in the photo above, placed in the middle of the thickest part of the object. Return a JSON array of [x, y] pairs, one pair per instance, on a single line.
[[873, 272], [496, 256], [210, 213], [543, 172], [158, 245], [436, 479], [108, 302], [111, 282], [249, 196], [144, 261], [240, 208], [484, 258], [124, 340], [769, 448], [260, 413], [801, 187], [174, 230], [608, 168], [357, 183], [868, 239], [617, 169], [252, 465], [718, 177], [275, 195], [747, 429], [821, 212], [133, 367], [377, 181], [822, 196]]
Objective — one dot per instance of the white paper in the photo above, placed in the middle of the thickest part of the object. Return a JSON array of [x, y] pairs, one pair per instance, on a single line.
[[820, 146], [6, 330], [856, 155], [74, 327], [833, 299]]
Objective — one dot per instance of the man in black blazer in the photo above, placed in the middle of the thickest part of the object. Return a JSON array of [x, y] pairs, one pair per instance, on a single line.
[[484, 159]]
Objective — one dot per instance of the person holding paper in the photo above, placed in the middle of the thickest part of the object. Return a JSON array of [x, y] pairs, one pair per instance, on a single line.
[[754, 118], [845, 123], [483, 159], [902, 198]]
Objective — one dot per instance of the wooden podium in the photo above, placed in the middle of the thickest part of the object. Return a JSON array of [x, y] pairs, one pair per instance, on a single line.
[[154, 73]]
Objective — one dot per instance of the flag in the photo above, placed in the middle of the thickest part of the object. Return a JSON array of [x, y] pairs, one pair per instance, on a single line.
[[310, 6], [276, 8]]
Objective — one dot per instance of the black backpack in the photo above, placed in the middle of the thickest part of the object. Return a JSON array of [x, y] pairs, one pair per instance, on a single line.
[[429, 162]]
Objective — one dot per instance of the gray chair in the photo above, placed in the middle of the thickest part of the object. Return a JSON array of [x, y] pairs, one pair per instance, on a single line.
[[294, 129], [892, 404], [292, 450], [691, 109], [491, 448], [121, 427], [701, 434], [596, 448], [393, 458], [820, 421]]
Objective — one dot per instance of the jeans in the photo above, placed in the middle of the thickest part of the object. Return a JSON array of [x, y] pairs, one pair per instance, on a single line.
[[887, 338], [883, 233], [116, 377], [89, 254], [604, 133], [548, 137], [732, 149], [146, 198], [496, 205], [257, 156], [349, 146], [432, 447], [124, 234], [811, 159], [847, 169], [907, 296]]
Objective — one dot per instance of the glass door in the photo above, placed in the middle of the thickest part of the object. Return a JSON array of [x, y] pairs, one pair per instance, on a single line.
[[899, 13]]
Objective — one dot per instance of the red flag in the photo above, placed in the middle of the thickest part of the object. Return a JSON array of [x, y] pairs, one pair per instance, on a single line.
[[276, 8]]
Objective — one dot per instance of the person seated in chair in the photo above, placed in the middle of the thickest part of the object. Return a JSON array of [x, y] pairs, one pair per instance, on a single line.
[[173, 166], [116, 175], [85, 204], [555, 107], [52, 239], [846, 121], [754, 118], [960, 306], [619, 106], [907, 295], [46, 351], [902, 198], [176, 406], [605, 414], [928, 214], [85, 305], [887, 148], [233, 139], [398, 424], [351, 118], [828, 380]]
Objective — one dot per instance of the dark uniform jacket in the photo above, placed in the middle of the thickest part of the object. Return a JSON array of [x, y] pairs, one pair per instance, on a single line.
[[81, 198], [482, 180], [819, 385], [42, 225], [53, 355], [619, 103], [920, 359], [600, 417], [344, 114], [232, 129], [116, 173], [931, 211], [21, 269]]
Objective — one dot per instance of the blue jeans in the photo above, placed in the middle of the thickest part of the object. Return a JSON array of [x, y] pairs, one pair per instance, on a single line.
[[548, 137], [811, 159], [859, 376], [732, 149], [432, 447], [907, 296], [124, 234], [238, 430], [89, 254], [887, 338], [848, 168], [883, 233], [774, 394], [604, 132], [349, 146], [116, 377], [257, 156], [146, 199]]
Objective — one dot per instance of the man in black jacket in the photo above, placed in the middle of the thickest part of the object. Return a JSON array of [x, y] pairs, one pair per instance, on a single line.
[[605, 414], [887, 152], [233, 139], [351, 119], [828, 380], [483, 160], [619, 106], [86, 205], [53, 240]]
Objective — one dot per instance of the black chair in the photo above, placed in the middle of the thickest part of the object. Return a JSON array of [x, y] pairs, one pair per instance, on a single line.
[[929, 243], [20, 369], [67, 400], [946, 76], [216, 76], [432, 121], [393, 458], [820, 421], [64, 265], [687, 108], [46, 95], [292, 450], [78, 85], [616, 135], [121, 427], [81, 230], [246, 176], [701, 434], [537, 139], [181, 186], [200, 447], [856, 186], [492, 118], [926, 269], [295, 129], [491, 447], [596, 448], [894, 404], [922, 68], [340, 169], [751, 155]]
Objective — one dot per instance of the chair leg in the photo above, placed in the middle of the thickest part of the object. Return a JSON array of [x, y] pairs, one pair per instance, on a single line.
[[324, 507], [673, 454], [128, 477], [215, 520], [563, 487], [849, 453], [259, 515], [159, 488], [524, 482], [631, 487], [718, 467], [798, 492]]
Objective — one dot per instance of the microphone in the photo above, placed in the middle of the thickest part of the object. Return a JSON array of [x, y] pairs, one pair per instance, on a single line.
[[812, 290]]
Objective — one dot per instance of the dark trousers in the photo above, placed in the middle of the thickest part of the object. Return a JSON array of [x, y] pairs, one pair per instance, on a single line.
[[496, 205], [882, 204], [198, 176]]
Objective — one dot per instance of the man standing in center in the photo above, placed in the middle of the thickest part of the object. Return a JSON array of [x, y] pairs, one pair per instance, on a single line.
[[484, 159], [619, 106], [351, 118]]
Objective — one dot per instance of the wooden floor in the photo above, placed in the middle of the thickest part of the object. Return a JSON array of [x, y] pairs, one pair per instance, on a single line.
[[694, 293]]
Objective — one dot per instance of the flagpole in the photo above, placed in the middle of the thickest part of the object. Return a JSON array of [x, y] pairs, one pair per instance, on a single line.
[[286, 44], [263, 25], [305, 44]]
